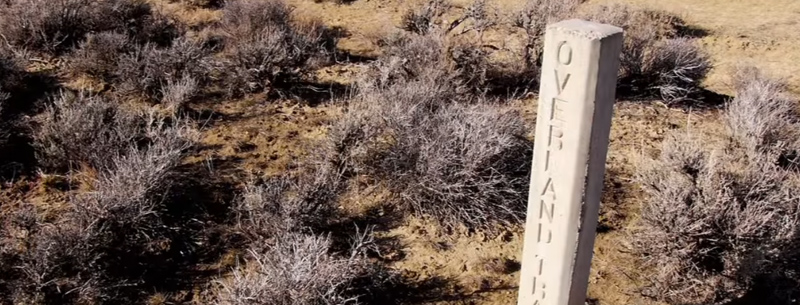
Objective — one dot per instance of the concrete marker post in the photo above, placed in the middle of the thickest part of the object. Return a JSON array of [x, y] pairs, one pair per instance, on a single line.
[[577, 93]]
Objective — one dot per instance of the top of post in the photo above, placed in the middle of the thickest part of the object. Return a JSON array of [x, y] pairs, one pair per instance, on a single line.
[[586, 29]]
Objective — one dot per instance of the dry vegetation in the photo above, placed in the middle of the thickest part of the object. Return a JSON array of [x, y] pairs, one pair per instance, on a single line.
[[118, 215], [722, 220]]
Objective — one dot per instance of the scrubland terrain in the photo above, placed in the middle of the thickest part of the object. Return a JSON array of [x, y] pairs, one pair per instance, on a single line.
[[379, 151]]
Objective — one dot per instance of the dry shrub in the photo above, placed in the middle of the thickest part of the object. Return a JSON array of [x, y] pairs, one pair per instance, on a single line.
[[418, 122], [205, 3], [534, 18], [678, 66], [287, 204], [46, 25], [286, 264], [56, 26], [265, 47], [419, 59], [16, 86], [295, 270], [422, 20], [655, 59], [721, 222], [125, 197], [99, 55], [177, 93], [469, 165], [87, 130], [460, 58], [84, 130], [85, 254], [10, 71], [443, 155], [433, 61], [140, 21], [151, 72], [763, 116]]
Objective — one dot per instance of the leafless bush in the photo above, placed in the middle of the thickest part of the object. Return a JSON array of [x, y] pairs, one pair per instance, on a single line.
[[483, 16], [80, 256], [460, 163], [138, 20], [678, 65], [177, 93], [99, 55], [45, 270], [295, 270], [280, 205], [722, 221], [265, 47], [470, 166], [655, 60], [421, 21], [10, 71], [56, 26], [150, 71], [124, 198], [45, 25], [643, 28], [762, 116], [534, 18], [412, 57], [432, 62], [83, 130], [418, 122], [205, 3]]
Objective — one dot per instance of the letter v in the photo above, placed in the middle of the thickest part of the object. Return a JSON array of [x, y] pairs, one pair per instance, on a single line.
[[561, 85]]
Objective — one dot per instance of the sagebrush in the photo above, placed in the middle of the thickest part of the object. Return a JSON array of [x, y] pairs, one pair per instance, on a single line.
[[657, 58], [54, 27], [721, 220], [266, 47], [295, 270], [83, 254]]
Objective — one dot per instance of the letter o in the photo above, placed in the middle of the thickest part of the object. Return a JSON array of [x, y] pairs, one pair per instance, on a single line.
[[564, 59]]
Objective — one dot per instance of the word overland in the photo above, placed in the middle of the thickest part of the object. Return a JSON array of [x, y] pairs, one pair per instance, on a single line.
[[579, 73]]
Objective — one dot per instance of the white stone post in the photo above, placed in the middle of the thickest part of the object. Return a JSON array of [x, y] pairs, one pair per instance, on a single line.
[[579, 76]]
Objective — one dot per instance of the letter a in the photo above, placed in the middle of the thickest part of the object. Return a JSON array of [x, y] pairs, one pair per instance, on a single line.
[[549, 187]]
